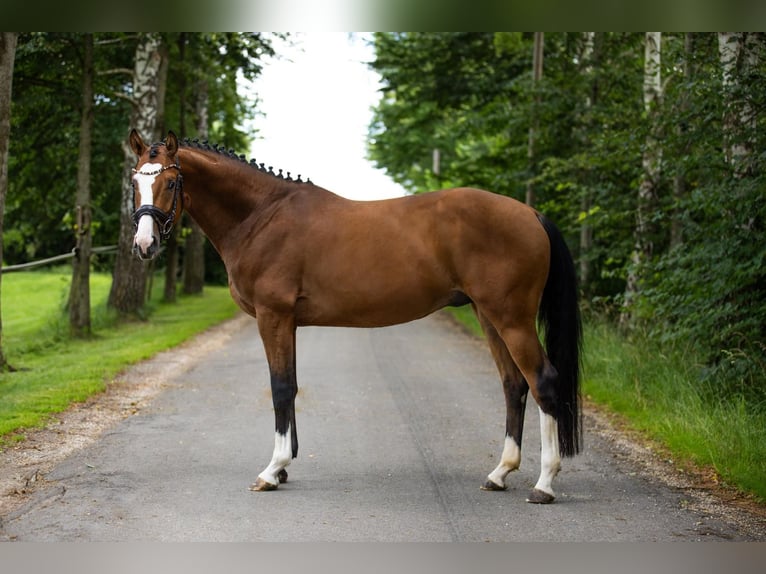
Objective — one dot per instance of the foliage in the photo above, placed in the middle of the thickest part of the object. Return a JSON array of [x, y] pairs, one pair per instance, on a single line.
[[445, 92], [217, 61], [44, 144], [710, 289]]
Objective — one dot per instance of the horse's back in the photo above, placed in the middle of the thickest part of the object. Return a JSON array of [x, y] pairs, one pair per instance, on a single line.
[[390, 261]]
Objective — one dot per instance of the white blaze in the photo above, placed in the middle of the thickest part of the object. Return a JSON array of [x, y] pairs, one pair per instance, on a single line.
[[144, 180]]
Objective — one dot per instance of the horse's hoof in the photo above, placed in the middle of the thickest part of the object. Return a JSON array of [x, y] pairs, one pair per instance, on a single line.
[[491, 486], [282, 476], [261, 485], [540, 497]]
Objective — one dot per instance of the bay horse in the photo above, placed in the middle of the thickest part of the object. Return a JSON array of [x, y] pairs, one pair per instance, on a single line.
[[297, 254]]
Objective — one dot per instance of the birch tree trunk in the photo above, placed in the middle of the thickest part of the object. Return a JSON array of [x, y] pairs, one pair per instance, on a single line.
[[79, 290], [650, 179], [586, 232], [738, 53], [7, 56], [129, 281]]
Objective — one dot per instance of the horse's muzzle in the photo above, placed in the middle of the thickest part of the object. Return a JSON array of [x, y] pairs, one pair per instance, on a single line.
[[146, 252]]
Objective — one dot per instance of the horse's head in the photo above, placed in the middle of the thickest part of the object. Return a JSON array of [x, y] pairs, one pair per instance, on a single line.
[[157, 192]]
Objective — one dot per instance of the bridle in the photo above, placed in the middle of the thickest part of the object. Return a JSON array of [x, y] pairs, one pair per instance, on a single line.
[[163, 219]]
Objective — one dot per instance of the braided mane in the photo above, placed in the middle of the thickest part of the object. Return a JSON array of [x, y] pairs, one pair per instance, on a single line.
[[231, 154]]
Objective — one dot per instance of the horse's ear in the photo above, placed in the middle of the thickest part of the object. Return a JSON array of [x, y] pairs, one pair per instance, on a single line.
[[136, 143], [171, 143]]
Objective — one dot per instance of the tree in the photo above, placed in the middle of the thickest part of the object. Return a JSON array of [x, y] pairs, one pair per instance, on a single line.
[[680, 180], [452, 92], [171, 243], [739, 57], [194, 256], [7, 56], [650, 178], [47, 112], [129, 280], [537, 75], [586, 230], [79, 291]]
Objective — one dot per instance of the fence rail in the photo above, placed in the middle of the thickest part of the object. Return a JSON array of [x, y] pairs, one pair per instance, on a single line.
[[55, 258]]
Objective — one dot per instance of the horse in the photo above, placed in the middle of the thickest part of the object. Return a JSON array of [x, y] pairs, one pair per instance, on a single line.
[[297, 254]]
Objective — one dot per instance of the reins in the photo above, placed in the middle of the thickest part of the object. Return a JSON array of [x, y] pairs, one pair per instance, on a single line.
[[163, 219]]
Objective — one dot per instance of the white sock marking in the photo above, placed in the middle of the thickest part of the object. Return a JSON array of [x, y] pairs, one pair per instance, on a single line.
[[509, 462], [550, 457], [283, 454]]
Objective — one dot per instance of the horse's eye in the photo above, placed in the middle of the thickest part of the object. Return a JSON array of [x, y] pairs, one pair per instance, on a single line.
[[172, 184]]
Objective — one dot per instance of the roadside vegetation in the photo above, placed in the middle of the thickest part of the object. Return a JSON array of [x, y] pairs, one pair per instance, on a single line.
[[53, 370], [661, 391]]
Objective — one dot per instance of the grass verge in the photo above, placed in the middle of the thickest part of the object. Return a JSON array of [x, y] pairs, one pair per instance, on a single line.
[[658, 392], [53, 370]]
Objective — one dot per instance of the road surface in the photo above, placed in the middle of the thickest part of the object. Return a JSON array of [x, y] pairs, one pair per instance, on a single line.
[[398, 428]]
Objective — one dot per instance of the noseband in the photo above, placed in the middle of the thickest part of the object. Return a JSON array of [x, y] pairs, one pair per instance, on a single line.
[[163, 219]]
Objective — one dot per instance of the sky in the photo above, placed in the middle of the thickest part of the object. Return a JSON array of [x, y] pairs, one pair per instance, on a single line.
[[316, 102]]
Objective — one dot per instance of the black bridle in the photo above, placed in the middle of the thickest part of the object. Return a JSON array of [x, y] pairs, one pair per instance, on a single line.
[[163, 219]]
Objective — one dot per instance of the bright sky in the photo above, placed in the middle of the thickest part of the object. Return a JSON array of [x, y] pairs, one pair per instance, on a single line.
[[317, 101]]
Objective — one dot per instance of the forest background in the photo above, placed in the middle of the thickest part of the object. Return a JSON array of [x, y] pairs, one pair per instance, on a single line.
[[645, 148]]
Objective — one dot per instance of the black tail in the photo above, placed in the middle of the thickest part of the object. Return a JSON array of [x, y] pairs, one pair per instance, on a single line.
[[559, 315]]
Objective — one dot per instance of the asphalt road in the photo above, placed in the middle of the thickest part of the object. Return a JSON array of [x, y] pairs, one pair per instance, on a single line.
[[398, 428]]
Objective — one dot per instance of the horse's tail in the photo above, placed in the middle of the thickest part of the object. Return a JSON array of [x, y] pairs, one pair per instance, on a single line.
[[559, 314]]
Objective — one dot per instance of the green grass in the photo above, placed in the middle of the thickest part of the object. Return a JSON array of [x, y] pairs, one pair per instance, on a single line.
[[53, 370], [659, 392]]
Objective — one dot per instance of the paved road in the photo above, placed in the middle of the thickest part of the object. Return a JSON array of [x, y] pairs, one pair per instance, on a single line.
[[398, 427]]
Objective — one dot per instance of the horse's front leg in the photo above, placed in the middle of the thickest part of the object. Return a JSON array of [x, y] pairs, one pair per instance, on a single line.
[[278, 336]]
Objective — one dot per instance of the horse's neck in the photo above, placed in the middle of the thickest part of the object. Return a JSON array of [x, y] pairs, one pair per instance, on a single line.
[[224, 196]]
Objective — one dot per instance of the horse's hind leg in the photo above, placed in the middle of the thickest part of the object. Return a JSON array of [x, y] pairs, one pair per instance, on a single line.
[[528, 354], [515, 389], [278, 336], [516, 328]]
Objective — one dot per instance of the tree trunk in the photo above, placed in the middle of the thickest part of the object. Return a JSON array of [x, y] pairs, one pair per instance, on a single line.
[[129, 282], [79, 291], [7, 56], [171, 243], [586, 231], [194, 255], [679, 182], [650, 179], [537, 74], [739, 54]]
